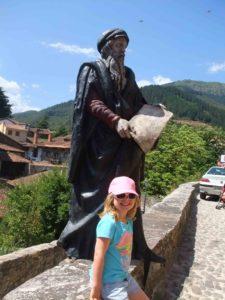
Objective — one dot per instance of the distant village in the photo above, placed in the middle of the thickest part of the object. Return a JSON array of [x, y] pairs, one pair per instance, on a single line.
[[25, 150]]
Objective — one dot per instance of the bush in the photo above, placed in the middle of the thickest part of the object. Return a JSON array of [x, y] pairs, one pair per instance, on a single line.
[[36, 213], [183, 154]]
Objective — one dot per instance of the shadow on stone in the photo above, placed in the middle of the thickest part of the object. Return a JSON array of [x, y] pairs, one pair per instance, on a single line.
[[212, 198], [184, 258]]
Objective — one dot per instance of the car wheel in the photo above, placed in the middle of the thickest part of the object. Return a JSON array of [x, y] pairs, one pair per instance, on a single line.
[[202, 196]]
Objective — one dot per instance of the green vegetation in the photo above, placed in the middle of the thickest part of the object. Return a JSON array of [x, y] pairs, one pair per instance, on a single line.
[[57, 116], [211, 92], [43, 122], [185, 104], [60, 131], [5, 107], [36, 213], [183, 154], [187, 99]]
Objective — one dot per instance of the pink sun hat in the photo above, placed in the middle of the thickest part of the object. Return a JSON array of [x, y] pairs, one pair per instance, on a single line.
[[122, 184]]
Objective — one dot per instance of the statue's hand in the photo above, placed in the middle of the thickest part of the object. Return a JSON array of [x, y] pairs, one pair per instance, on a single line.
[[123, 129]]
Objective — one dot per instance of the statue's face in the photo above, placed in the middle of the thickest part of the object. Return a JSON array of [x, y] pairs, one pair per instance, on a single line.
[[118, 46]]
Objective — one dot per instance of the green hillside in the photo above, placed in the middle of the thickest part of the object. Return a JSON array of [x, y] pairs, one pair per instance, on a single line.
[[187, 103], [207, 91], [187, 99], [59, 115]]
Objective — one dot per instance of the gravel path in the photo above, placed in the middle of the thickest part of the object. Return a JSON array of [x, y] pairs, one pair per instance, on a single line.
[[199, 269]]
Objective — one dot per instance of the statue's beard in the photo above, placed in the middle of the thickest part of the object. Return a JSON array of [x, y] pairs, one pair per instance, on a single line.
[[117, 70]]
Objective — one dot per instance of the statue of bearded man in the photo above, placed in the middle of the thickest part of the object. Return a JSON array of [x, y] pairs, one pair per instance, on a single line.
[[107, 98]]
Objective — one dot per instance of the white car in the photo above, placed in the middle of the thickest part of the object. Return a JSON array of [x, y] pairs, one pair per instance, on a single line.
[[212, 182]]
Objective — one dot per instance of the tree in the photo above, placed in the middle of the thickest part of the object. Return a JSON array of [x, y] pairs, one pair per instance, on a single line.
[[183, 154], [36, 212], [43, 122], [61, 131], [5, 107]]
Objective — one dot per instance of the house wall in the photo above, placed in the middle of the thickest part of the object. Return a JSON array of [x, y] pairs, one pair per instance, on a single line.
[[30, 154], [4, 139], [2, 127], [39, 155], [11, 132], [55, 155], [20, 138]]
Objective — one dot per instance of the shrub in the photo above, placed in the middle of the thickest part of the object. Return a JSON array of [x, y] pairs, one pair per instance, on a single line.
[[36, 212], [183, 154]]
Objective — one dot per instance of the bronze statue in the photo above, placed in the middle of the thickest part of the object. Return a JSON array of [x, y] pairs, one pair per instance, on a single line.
[[102, 148]]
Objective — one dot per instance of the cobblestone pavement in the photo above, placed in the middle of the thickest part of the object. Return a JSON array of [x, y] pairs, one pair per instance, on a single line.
[[199, 269]]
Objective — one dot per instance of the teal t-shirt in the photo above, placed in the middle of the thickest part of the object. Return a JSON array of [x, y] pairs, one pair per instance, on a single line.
[[118, 255]]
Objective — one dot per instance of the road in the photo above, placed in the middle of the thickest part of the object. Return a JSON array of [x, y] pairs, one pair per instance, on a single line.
[[199, 269]]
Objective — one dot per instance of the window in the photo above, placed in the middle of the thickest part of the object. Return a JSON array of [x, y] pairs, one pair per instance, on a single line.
[[17, 133], [35, 152], [9, 132], [216, 171]]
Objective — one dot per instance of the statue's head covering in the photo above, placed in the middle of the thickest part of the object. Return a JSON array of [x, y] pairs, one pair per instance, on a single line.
[[111, 34]]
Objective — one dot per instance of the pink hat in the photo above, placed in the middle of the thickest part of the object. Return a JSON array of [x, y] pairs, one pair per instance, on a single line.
[[122, 184]]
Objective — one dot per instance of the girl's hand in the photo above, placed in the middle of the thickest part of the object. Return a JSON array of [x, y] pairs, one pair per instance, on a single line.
[[95, 294]]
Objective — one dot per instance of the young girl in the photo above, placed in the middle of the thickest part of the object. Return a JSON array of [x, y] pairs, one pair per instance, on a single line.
[[110, 278]]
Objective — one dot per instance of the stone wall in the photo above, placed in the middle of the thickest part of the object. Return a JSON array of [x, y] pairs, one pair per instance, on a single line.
[[26, 179], [21, 265], [163, 224]]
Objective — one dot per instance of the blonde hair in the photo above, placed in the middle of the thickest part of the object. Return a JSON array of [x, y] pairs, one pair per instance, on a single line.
[[110, 208]]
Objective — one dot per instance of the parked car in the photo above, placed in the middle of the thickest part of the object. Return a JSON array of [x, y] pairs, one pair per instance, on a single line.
[[212, 182]]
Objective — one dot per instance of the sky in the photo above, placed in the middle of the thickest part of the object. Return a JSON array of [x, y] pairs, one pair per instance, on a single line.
[[44, 42]]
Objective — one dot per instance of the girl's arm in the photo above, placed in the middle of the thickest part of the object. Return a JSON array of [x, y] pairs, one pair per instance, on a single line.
[[101, 247]]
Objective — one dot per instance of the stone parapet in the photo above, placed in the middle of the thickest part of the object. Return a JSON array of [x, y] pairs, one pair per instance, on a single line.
[[21, 265], [163, 224]]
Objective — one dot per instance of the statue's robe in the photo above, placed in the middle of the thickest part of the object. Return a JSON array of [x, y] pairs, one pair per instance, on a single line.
[[98, 154]]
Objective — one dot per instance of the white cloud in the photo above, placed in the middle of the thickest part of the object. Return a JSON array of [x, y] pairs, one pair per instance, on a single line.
[[143, 82], [157, 80], [14, 92], [35, 86], [161, 80], [216, 67], [72, 49], [10, 86]]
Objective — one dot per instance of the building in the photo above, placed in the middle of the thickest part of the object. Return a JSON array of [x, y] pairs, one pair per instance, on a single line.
[[16, 130], [55, 151], [37, 147], [13, 163]]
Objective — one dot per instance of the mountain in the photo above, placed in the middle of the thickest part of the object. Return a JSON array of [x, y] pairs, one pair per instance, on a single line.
[[59, 115], [207, 91], [193, 100], [187, 99]]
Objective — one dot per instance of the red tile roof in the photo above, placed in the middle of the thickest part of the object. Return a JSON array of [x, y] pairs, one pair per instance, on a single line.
[[16, 127], [54, 145], [10, 148], [40, 130], [59, 142], [7, 156]]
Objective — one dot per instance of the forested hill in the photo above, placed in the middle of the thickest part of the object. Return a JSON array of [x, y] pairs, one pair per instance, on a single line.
[[192, 100], [187, 99], [59, 115], [207, 91]]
